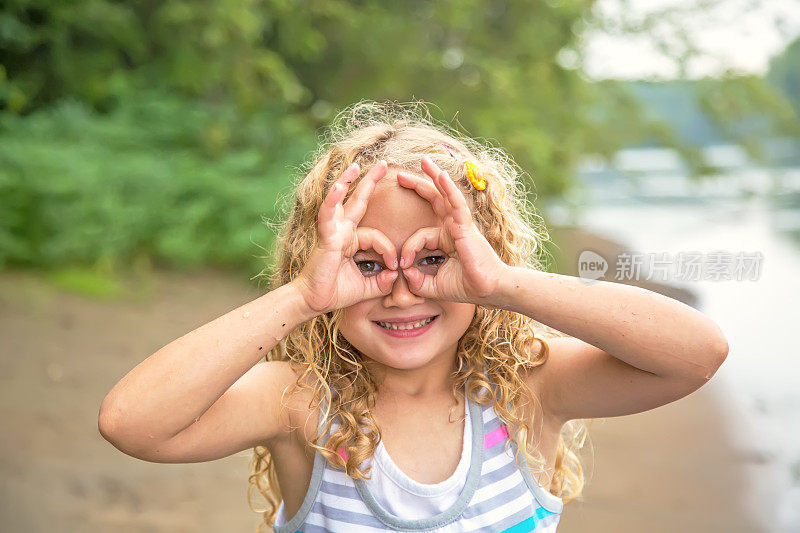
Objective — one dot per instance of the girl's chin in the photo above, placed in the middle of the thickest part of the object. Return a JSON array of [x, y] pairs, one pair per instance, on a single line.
[[406, 361], [409, 365]]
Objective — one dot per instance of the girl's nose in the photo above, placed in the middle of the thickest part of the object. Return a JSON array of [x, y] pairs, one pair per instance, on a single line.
[[400, 294]]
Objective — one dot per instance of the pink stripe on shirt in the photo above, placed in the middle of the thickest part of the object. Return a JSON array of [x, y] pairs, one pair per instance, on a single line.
[[493, 437]]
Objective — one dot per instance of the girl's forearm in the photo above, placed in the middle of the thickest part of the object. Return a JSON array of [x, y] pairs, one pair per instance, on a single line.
[[172, 388], [643, 328]]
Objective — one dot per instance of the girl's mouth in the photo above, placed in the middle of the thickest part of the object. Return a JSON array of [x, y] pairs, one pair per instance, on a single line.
[[407, 330]]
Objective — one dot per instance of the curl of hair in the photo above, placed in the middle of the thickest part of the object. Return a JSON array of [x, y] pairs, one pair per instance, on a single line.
[[499, 343]]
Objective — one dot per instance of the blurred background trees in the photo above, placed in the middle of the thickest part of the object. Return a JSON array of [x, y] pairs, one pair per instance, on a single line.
[[159, 132]]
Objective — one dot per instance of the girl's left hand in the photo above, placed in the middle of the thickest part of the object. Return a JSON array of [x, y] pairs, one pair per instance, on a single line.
[[472, 271]]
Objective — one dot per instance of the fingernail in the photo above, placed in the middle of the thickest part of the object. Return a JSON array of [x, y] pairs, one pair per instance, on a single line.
[[394, 264]]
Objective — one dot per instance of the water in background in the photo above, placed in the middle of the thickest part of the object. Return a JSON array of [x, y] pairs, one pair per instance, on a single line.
[[649, 205]]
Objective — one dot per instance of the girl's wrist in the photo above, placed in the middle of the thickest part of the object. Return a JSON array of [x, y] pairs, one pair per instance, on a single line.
[[296, 292], [500, 297]]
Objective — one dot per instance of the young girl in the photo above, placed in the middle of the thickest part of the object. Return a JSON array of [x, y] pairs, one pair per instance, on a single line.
[[422, 373]]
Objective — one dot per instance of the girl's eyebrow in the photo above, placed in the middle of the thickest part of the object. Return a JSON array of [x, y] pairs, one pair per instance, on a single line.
[[366, 252], [372, 253]]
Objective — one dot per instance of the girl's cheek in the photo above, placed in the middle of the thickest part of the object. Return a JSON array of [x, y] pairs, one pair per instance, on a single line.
[[428, 270]]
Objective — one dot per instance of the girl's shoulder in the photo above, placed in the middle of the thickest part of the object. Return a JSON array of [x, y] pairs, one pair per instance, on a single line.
[[297, 411], [534, 379]]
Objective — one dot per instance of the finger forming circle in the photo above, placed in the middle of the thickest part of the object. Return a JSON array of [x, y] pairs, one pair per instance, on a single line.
[[371, 238], [422, 238], [460, 208], [427, 190], [356, 205]]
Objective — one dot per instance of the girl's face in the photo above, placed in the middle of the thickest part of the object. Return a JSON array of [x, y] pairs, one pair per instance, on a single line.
[[398, 212]]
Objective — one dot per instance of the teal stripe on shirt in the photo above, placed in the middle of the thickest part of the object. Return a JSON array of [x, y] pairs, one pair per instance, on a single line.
[[529, 524]]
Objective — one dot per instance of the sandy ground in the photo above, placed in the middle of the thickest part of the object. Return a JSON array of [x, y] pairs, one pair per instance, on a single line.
[[671, 469], [61, 355]]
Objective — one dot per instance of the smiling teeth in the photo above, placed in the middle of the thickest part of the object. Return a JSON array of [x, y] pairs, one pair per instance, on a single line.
[[406, 326]]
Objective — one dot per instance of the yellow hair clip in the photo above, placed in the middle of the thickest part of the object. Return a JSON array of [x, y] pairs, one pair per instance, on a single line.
[[475, 175], [474, 172]]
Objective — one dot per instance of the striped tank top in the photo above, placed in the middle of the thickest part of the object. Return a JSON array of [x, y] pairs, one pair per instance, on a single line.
[[496, 497]]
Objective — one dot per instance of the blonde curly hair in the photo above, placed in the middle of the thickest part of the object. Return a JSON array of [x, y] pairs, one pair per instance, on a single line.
[[498, 343]]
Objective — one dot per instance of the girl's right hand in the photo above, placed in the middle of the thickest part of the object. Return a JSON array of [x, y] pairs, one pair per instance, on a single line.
[[330, 279]]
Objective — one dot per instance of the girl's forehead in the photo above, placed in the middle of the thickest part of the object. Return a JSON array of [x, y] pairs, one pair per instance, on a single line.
[[397, 211]]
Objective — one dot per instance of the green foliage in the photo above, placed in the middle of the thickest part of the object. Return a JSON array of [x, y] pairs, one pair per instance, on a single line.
[[92, 282], [492, 61], [748, 109], [784, 73], [162, 131], [99, 50], [78, 189]]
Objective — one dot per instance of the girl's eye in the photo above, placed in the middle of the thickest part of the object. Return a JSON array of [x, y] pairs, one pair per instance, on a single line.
[[368, 270], [435, 257], [374, 267]]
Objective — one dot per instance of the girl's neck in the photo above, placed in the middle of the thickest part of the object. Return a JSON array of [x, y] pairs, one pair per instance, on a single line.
[[433, 380]]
